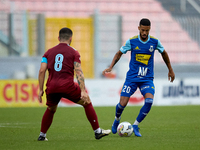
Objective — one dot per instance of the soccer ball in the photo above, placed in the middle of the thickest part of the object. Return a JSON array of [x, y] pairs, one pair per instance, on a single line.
[[125, 129]]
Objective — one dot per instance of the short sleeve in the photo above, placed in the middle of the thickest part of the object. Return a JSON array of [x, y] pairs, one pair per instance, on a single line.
[[126, 47], [159, 47], [77, 57], [44, 60]]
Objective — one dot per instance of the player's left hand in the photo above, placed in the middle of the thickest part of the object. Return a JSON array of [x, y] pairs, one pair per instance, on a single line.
[[171, 76], [40, 96]]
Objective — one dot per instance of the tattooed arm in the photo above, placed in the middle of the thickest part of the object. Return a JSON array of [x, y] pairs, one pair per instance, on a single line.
[[114, 61], [81, 82], [79, 75]]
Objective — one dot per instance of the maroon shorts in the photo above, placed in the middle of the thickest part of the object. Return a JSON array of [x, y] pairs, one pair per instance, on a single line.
[[54, 98]]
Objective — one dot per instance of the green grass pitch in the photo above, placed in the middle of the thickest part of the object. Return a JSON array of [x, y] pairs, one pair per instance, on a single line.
[[165, 128]]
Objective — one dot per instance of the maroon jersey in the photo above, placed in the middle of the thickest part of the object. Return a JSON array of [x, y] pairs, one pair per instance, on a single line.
[[60, 64]]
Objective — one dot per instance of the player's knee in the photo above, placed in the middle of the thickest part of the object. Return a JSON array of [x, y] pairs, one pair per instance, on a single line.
[[84, 103], [124, 101], [53, 108]]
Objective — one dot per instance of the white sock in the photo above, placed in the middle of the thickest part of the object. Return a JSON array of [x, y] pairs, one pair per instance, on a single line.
[[136, 123], [97, 130], [117, 118], [42, 134]]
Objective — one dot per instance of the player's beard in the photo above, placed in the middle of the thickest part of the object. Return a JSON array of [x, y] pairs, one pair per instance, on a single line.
[[143, 38]]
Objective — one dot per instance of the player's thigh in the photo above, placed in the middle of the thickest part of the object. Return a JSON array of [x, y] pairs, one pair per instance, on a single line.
[[147, 89], [53, 99], [73, 94]]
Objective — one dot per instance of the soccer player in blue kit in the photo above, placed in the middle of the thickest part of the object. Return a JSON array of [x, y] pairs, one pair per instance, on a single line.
[[141, 72]]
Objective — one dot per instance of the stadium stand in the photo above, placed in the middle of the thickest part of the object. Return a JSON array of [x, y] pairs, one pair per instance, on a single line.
[[173, 6], [181, 47]]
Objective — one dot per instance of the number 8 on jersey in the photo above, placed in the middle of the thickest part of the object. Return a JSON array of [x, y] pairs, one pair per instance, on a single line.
[[58, 62]]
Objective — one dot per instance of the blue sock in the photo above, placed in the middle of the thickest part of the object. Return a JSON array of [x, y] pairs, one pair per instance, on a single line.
[[145, 109], [119, 110]]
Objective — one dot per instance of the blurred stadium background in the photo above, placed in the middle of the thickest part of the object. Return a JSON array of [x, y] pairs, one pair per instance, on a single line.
[[29, 27]]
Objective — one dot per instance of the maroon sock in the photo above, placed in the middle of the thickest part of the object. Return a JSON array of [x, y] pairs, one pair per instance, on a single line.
[[47, 120], [92, 116]]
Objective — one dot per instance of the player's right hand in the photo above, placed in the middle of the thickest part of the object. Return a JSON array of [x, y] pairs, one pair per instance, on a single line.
[[171, 76], [108, 70], [40, 96]]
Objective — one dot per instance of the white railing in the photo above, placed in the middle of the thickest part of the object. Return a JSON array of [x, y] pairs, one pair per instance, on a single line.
[[183, 5]]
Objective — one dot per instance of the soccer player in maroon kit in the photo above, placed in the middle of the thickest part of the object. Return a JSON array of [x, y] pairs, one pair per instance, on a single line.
[[61, 61]]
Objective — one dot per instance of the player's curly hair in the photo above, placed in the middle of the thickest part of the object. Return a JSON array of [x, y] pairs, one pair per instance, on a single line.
[[65, 33], [145, 22]]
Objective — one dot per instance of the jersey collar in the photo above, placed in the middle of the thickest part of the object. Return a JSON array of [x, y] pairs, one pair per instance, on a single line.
[[143, 41]]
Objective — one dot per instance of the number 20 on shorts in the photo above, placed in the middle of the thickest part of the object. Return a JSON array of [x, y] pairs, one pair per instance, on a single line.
[[126, 89]]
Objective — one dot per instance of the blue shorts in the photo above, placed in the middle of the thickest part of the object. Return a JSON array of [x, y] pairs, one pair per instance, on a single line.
[[129, 88]]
